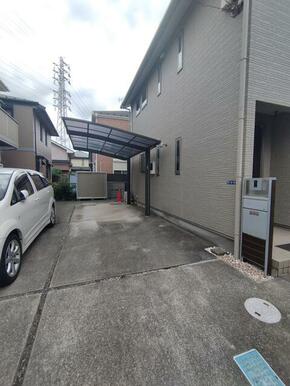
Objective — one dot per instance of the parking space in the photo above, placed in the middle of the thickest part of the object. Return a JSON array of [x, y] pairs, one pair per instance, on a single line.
[[109, 297], [107, 240], [170, 327], [39, 259], [15, 322]]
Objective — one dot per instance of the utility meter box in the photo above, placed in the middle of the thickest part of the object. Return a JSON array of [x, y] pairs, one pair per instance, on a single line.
[[257, 222]]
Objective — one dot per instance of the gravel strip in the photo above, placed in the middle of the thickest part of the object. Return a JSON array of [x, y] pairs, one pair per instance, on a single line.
[[246, 269]]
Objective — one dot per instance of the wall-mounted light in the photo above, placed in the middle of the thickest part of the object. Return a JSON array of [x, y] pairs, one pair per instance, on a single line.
[[162, 145]]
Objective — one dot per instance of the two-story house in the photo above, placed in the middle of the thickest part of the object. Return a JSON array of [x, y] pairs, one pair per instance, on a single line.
[[120, 120], [80, 161], [8, 128], [35, 131], [214, 86], [61, 157]]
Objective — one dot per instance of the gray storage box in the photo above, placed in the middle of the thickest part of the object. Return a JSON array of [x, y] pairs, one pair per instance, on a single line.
[[91, 185]]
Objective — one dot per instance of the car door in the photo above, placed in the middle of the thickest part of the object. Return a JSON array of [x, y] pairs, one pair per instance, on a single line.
[[26, 210], [49, 196], [42, 197]]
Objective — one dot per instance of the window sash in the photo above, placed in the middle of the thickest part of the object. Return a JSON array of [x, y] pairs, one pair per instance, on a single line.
[[177, 156], [144, 97], [138, 107], [180, 52], [159, 79]]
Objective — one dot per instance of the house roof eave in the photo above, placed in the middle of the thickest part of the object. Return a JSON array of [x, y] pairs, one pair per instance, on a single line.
[[170, 22]]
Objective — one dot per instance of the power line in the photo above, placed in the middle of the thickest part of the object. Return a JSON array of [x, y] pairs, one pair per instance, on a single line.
[[17, 76], [31, 76], [61, 97]]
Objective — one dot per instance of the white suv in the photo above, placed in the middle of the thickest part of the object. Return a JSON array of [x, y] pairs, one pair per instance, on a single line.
[[27, 206]]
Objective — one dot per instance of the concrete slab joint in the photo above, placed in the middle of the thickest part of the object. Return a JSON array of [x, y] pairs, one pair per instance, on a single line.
[[143, 307]]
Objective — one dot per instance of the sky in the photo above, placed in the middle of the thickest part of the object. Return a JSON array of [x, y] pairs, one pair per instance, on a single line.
[[103, 41]]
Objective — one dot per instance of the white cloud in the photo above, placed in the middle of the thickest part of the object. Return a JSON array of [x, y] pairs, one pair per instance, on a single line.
[[104, 41]]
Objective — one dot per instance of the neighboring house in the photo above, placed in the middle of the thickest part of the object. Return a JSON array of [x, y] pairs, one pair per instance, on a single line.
[[61, 157], [80, 161], [35, 131], [214, 86], [120, 120], [9, 135]]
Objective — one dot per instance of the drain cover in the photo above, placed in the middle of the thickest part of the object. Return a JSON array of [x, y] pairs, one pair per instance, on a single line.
[[263, 310]]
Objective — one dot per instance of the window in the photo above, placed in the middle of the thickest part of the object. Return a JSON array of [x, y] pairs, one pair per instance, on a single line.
[[37, 180], [138, 106], [44, 181], [180, 52], [41, 133], [45, 136], [15, 197], [159, 79], [23, 183], [144, 97], [4, 183], [141, 102], [177, 156]]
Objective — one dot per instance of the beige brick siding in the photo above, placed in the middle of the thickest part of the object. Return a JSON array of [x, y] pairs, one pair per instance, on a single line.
[[200, 104], [269, 81]]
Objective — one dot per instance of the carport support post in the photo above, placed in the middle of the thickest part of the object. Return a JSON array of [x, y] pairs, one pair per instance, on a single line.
[[147, 182], [129, 181]]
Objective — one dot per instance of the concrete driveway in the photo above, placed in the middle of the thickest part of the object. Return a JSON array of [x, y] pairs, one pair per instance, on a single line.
[[108, 297]]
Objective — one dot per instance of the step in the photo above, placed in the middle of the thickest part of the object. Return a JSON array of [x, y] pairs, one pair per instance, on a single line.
[[280, 262]]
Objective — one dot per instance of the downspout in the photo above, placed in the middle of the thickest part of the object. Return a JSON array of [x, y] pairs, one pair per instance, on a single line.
[[243, 101]]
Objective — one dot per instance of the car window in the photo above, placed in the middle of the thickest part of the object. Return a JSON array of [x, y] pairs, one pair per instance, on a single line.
[[15, 197], [23, 183], [4, 182], [45, 181], [39, 184]]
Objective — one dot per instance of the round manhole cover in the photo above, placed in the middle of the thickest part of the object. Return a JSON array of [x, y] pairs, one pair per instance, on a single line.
[[263, 310]]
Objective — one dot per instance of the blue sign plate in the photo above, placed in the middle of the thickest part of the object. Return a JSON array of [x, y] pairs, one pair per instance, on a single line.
[[257, 371]]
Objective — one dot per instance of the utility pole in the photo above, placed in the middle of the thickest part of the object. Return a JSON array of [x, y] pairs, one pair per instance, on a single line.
[[61, 97]]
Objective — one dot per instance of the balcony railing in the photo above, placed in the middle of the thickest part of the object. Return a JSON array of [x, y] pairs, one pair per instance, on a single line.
[[8, 131]]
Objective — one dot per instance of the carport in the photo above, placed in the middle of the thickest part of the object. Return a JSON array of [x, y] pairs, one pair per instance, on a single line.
[[115, 143]]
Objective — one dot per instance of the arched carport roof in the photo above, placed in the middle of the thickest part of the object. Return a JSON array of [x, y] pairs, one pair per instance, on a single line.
[[107, 140], [112, 142]]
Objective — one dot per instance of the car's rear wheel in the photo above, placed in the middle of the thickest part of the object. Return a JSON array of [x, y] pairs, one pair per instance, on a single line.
[[11, 259], [52, 216]]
